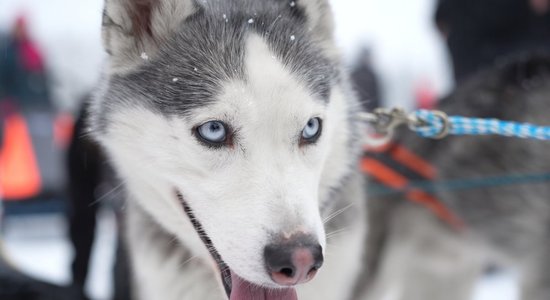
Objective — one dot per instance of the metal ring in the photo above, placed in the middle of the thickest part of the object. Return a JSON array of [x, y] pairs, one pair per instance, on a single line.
[[415, 123], [446, 129]]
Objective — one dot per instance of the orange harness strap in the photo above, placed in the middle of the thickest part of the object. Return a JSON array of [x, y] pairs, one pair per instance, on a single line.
[[396, 181]]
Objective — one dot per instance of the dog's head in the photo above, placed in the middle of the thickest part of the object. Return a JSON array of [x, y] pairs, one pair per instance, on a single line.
[[234, 115]]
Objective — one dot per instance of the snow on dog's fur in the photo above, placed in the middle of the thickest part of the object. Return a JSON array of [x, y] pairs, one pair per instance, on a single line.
[[233, 129]]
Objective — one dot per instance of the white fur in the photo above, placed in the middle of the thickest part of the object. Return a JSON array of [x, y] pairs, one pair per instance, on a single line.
[[337, 278], [266, 184]]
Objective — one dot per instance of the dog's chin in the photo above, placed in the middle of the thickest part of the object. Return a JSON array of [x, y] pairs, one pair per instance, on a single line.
[[236, 287]]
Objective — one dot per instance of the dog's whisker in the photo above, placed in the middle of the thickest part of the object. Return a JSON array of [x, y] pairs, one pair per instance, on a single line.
[[335, 249], [109, 193], [188, 261], [338, 212], [173, 240], [333, 233], [85, 135]]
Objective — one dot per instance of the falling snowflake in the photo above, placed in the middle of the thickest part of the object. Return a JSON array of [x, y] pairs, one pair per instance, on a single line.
[[292, 38], [144, 56], [175, 79], [250, 21], [292, 4]]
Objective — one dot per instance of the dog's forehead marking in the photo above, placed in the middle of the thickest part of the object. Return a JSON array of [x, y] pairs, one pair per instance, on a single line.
[[268, 77], [262, 66], [207, 52], [270, 93]]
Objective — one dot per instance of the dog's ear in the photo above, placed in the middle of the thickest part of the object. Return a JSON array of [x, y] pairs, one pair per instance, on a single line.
[[320, 17], [133, 30]]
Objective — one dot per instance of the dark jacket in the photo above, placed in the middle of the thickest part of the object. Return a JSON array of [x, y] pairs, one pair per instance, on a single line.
[[23, 79], [480, 32]]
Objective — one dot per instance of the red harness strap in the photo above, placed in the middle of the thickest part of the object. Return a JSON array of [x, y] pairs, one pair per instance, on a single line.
[[392, 179]]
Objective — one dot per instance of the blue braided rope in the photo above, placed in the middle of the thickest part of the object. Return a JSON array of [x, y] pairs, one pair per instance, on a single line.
[[434, 126]]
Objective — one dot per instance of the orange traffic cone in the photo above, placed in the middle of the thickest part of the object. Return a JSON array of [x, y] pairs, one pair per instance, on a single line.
[[19, 172]]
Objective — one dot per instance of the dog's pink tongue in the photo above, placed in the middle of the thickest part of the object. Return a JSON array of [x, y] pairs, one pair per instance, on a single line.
[[244, 290]]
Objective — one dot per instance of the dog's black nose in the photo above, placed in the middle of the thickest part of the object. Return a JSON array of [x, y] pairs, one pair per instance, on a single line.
[[293, 261]]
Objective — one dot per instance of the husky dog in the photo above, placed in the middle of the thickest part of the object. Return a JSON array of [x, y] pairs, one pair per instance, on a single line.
[[498, 187], [237, 137]]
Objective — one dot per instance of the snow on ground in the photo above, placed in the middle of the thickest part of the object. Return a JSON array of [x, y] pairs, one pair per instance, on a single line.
[[38, 245], [497, 287]]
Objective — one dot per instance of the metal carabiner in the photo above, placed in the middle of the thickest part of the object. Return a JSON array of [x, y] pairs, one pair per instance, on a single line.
[[389, 119]]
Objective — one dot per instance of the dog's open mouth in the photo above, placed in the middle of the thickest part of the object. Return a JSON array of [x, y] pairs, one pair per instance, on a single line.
[[235, 286]]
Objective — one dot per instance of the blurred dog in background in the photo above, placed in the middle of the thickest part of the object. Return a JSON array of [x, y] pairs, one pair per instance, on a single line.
[[489, 195]]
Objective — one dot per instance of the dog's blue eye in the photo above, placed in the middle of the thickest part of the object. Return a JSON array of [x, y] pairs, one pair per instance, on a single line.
[[213, 132], [312, 131]]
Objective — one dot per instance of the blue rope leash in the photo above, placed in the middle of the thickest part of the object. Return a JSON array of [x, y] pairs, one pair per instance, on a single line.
[[435, 124]]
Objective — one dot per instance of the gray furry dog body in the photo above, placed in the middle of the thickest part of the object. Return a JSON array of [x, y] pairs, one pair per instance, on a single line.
[[237, 138], [506, 215]]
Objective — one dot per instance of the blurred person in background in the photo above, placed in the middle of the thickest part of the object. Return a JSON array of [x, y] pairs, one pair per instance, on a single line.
[[480, 33], [23, 78], [32, 137], [365, 80], [29, 158]]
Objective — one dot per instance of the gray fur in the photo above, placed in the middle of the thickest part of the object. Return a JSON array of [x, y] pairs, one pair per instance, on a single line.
[[505, 225], [201, 63], [172, 57]]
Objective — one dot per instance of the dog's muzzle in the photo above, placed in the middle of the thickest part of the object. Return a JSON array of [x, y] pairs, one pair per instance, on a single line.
[[290, 262]]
